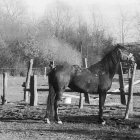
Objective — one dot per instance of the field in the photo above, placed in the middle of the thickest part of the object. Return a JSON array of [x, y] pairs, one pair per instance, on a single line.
[[18, 120]]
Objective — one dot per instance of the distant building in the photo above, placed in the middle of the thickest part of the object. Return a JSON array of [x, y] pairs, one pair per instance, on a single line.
[[134, 47]]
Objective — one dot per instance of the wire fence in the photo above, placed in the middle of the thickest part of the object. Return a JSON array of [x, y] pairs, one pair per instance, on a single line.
[[23, 71]]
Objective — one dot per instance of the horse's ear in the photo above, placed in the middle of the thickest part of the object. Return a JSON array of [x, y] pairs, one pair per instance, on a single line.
[[119, 50], [122, 47], [118, 46]]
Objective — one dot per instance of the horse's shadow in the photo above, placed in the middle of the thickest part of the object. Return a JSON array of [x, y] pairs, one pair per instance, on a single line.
[[88, 119], [18, 120], [94, 119]]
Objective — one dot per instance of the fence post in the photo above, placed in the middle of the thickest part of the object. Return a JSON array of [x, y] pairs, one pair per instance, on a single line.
[[85, 63], [33, 91], [81, 100], [129, 108], [121, 82], [51, 65], [45, 72], [87, 98], [5, 79], [27, 83]]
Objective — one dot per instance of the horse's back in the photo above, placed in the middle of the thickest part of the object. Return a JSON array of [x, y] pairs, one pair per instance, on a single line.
[[74, 77], [83, 80]]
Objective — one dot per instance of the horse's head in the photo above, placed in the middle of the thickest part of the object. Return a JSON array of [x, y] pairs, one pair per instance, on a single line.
[[125, 55]]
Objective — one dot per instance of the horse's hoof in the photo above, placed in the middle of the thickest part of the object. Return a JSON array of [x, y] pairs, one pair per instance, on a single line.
[[101, 121], [59, 122], [46, 120]]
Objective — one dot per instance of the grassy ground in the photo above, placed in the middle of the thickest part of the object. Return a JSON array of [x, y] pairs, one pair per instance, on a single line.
[[20, 121]]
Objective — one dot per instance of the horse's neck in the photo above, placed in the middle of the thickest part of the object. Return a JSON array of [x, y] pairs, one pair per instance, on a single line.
[[109, 64], [111, 67]]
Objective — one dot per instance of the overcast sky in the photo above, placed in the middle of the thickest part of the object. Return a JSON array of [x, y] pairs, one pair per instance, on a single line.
[[109, 12]]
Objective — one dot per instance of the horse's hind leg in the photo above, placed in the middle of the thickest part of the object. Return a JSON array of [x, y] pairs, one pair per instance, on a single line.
[[54, 106], [56, 117], [58, 98], [102, 97], [46, 118], [50, 104]]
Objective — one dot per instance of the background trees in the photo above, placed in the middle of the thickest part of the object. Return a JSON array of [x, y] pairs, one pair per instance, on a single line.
[[60, 35]]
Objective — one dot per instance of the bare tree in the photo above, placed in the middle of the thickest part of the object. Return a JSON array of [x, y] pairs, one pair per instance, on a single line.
[[137, 25], [59, 17], [125, 25], [12, 18]]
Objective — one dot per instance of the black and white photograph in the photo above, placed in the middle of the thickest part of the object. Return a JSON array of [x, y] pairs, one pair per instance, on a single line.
[[69, 70]]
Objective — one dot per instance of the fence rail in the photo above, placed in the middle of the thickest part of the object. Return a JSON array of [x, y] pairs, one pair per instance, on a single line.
[[31, 87]]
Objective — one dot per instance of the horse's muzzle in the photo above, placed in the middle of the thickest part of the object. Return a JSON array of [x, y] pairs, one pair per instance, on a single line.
[[131, 58], [131, 61]]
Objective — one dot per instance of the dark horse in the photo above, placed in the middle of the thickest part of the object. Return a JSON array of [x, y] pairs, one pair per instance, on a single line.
[[95, 79]]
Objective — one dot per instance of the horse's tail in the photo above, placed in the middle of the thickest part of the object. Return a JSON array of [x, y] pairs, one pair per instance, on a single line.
[[51, 100]]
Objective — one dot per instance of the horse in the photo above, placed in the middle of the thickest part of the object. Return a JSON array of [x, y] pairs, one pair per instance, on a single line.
[[97, 79]]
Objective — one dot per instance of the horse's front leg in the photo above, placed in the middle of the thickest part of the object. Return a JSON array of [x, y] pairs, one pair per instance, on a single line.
[[102, 97]]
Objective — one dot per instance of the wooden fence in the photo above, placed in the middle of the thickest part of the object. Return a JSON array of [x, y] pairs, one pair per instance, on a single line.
[[5, 79], [129, 108], [31, 88]]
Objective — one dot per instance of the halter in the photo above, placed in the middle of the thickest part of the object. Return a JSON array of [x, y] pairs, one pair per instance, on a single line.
[[130, 56], [115, 54]]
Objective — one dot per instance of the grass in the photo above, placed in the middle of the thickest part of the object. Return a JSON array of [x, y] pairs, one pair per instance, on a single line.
[[19, 121]]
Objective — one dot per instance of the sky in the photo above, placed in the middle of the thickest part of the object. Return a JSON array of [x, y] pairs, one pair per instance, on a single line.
[[38, 6], [108, 10]]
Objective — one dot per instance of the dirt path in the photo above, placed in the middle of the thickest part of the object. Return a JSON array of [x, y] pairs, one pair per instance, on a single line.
[[20, 121]]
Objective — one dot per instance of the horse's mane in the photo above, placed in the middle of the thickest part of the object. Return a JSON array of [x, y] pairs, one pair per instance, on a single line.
[[112, 57], [109, 61], [114, 49], [106, 63]]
